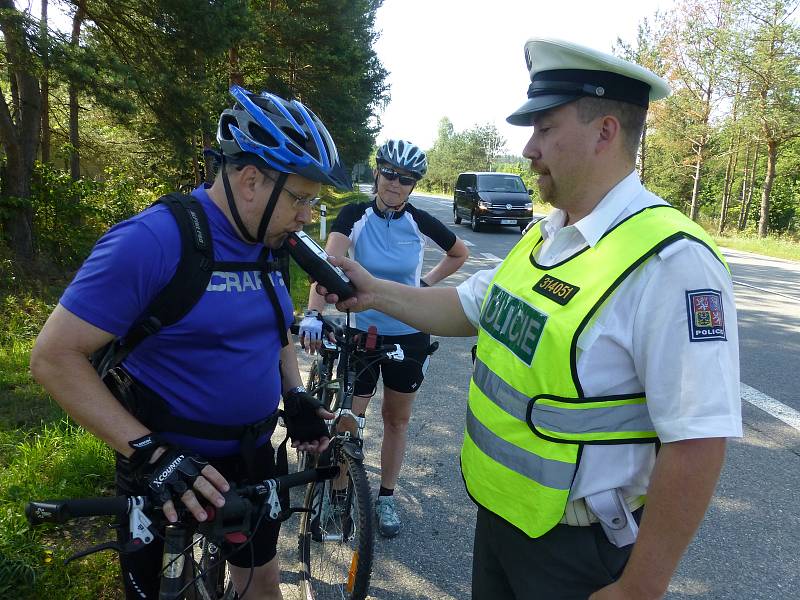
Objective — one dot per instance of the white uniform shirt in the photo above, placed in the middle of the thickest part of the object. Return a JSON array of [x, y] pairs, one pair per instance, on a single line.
[[640, 341]]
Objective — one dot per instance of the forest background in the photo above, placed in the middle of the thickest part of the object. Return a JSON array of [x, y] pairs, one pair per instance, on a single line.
[[99, 120]]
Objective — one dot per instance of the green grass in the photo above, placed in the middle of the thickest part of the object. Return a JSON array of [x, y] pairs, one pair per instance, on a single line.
[[43, 456], [778, 247], [58, 461]]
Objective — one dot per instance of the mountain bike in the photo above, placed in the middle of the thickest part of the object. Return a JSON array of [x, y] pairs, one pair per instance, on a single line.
[[194, 566], [336, 529]]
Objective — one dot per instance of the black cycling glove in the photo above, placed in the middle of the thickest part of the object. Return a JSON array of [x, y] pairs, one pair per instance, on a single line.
[[173, 474], [300, 416]]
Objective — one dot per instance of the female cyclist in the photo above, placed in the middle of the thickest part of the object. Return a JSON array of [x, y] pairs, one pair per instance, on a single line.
[[388, 237]]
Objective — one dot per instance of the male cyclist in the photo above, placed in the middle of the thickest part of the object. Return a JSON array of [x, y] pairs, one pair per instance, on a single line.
[[200, 396]]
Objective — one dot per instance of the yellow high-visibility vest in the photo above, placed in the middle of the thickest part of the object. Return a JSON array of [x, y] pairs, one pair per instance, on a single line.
[[527, 416]]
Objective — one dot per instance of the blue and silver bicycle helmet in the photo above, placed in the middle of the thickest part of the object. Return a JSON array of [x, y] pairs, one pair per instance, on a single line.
[[286, 135], [402, 154], [267, 131]]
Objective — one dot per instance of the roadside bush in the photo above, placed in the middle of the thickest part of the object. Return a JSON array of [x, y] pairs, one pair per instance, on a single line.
[[70, 216]]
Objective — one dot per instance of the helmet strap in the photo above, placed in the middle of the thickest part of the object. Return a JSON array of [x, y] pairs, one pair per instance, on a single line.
[[232, 205], [273, 200]]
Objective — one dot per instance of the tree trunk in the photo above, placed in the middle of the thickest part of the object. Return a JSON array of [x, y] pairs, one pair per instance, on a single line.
[[643, 154], [20, 131], [772, 157], [694, 211], [19, 225], [207, 159], [74, 134], [235, 76], [743, 197], [700, 152], [730, 169], [751, 185], [45, 85]]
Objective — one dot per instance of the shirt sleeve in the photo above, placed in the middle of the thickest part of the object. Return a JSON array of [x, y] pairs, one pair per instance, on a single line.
[[686, 346], [434, 229], [127, 267], [345, 220], [472, 291]]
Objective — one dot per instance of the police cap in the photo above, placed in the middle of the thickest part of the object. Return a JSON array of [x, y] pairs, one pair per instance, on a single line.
[[562, 71]]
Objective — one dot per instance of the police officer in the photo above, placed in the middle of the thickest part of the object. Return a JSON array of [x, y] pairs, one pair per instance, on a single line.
[[606, 378]]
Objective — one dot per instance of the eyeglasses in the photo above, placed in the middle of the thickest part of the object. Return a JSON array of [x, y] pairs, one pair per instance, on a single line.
[[298, 201], [391, 175]]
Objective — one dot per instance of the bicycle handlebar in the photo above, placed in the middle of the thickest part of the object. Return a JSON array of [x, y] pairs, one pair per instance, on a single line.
[[61, 511]]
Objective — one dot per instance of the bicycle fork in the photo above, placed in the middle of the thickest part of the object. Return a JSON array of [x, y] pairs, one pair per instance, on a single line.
[[173, 579]]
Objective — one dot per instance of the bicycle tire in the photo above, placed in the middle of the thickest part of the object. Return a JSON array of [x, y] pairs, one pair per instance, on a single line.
[[338, 563]]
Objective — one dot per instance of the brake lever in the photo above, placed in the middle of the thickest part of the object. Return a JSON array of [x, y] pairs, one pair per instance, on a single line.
[[128, 548]]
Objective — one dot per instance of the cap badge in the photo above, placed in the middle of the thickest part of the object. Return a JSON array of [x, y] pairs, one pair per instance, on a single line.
[[600, 91]]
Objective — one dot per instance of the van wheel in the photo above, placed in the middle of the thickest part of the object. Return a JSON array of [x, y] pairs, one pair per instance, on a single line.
[[473, 223], [456, 218]]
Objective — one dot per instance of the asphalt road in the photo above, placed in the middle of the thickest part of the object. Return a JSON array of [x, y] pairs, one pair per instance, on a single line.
[[747, 548]]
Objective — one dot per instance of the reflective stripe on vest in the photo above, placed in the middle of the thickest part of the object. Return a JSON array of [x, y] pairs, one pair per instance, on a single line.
[[528, 417], [550, 473], [611, 418]]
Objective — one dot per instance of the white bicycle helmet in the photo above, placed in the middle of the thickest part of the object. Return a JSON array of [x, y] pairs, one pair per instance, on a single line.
[[402, 154]]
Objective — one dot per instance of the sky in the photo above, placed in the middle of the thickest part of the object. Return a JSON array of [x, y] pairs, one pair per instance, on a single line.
[[464, 59]]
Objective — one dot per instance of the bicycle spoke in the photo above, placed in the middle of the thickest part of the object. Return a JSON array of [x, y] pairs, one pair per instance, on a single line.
[[336, 542]]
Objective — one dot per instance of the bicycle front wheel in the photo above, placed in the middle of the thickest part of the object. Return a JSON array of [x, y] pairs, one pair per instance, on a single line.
[[336, 536]]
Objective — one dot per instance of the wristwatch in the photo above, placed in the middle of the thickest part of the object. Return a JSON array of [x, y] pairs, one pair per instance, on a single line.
[[295, 390]]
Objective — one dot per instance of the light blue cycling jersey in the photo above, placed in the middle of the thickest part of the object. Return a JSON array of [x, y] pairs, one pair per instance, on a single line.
[[391, 246]]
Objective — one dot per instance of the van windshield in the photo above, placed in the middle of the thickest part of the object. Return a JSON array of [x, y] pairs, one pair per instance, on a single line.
[[501, 183]]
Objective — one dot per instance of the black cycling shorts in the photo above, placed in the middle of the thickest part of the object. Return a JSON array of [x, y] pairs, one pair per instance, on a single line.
[[140, 569], [405, 377]]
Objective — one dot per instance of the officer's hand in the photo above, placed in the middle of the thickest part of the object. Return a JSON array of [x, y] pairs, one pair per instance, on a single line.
[[311, 332], [363, 282], [305, 417], [177, 474]]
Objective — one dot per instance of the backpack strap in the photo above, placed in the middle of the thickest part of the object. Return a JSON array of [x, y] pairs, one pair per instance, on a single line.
[[181, 293], [196, 264]]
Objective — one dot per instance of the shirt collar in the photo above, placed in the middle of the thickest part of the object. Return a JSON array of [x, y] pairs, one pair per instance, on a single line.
[[395, 214], [593, 226]]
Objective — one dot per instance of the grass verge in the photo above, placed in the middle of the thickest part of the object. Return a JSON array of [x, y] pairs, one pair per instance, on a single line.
[[777, 247]]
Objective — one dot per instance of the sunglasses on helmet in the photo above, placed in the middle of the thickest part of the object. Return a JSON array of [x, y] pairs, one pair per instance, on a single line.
[[391, 175]]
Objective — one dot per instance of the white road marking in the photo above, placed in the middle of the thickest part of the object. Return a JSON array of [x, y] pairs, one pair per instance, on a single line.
[[771, 406], [490, 256], [767, 291]]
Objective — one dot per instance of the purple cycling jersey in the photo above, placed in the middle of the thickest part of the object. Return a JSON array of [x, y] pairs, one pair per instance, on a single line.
[[219, 364]]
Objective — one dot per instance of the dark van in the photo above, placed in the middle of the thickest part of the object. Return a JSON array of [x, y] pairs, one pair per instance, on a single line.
[[495, 198]]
